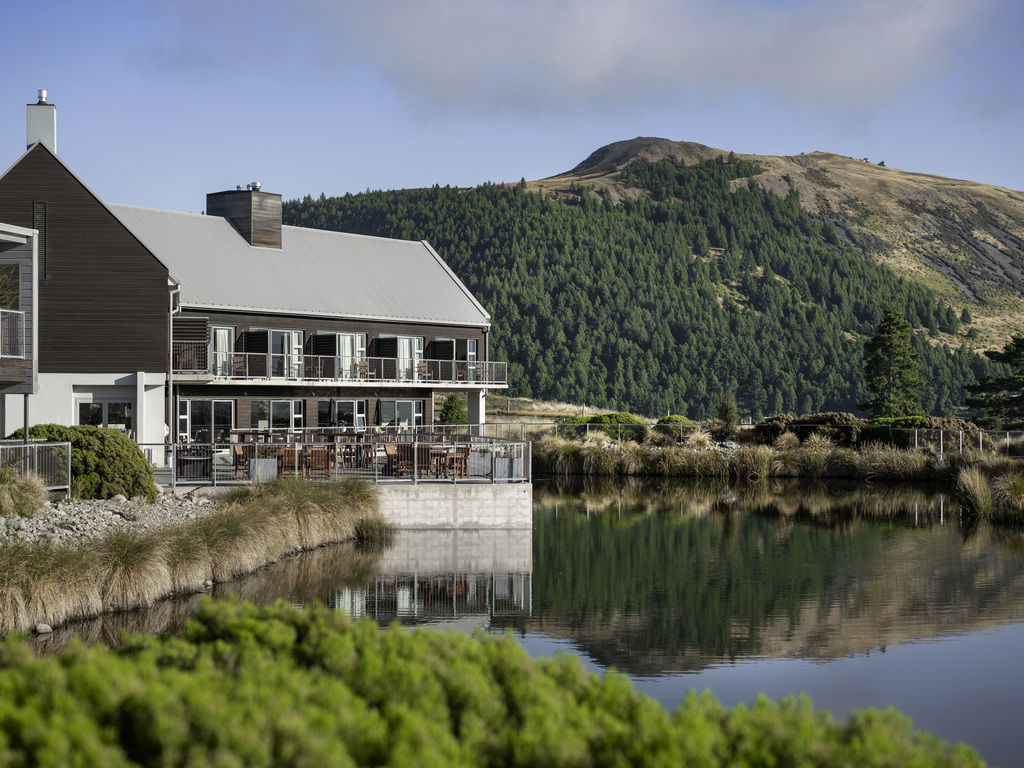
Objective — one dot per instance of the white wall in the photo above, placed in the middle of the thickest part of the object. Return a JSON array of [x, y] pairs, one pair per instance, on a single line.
[[58, 395]]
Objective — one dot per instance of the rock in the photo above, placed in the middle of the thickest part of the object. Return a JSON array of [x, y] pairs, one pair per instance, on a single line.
[[43, 629], [118, 498], [208, 584]]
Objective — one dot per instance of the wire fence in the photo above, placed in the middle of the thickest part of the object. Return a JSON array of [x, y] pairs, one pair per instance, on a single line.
[[50, 461]]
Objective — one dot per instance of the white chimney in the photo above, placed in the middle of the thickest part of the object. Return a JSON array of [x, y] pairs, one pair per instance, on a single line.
[[42, 123]]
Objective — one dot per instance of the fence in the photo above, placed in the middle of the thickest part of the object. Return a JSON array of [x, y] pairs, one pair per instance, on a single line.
[[377, 457], [50, 461]]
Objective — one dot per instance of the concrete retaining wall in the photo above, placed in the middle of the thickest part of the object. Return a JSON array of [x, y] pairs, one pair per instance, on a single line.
[[468, 505]]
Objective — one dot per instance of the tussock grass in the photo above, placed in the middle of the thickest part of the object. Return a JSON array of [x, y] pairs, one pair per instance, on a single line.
[[632, 458], [975, 491], [1008, 493], [787, 441], [130, 568], [20, 495], [598, 457], [752, 462], [698, 438]]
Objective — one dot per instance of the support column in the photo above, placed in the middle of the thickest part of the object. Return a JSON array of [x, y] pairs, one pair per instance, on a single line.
[[476, 410]]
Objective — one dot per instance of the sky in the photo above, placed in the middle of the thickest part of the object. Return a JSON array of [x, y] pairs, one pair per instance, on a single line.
[[160, 103]]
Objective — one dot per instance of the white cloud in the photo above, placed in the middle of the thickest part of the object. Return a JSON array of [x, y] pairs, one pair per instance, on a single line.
[[570, 54]]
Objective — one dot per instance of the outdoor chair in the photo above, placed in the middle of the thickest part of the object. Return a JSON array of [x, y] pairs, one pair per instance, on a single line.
[[291, 460], [318, 461]]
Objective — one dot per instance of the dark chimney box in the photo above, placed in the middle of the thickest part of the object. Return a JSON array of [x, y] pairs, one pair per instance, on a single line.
[[256, 215]]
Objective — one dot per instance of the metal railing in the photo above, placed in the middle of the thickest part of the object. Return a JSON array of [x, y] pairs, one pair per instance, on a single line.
[[50, 461], [12, 333], [377, 456], [193, 357]]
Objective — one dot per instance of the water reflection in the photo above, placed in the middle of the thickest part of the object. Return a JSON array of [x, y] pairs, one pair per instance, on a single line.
[[679, 577]]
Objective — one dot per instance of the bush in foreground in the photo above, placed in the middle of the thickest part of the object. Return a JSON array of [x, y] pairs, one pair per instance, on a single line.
[[281, 687]]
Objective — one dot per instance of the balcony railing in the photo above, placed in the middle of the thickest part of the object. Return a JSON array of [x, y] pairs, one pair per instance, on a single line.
[[12, 333], [194, 358]]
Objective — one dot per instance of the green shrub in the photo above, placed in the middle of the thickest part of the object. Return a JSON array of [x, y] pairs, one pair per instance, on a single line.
[[277, 686], [674, 426], [634, 429], [104, 462]]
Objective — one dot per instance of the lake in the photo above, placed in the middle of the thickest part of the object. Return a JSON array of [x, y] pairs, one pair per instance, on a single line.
[[857, 595]]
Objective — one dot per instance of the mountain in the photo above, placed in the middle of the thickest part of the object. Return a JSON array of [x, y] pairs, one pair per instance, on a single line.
[[657, 275], [962, 240]]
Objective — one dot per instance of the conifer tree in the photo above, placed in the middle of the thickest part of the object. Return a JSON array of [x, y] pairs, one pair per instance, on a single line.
[[890, 369], [1002, 398]]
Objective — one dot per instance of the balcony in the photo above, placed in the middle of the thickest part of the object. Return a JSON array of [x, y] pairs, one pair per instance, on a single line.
[[192, 361]]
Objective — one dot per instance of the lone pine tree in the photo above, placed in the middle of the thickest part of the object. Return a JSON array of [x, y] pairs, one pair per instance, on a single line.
[[891, 369]]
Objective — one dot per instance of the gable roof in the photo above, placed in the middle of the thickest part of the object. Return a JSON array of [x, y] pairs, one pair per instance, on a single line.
[[315, 272]]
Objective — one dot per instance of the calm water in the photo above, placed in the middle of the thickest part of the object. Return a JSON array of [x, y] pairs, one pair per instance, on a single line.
[[858, 596]]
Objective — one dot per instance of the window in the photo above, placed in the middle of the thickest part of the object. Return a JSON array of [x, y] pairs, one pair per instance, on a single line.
[[285, 353], [341, 413], [401, 413], [277, 414], [351, 352], [222, 340], [114, 414], [410, 352], [205, 421]]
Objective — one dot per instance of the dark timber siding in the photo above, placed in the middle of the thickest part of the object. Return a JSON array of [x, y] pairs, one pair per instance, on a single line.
[[103, 300]]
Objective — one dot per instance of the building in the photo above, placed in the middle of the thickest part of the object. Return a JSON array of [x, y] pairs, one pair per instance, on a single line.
[[201, 328]]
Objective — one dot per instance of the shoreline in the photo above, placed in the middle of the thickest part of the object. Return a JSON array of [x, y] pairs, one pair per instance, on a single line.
[[81, 559]]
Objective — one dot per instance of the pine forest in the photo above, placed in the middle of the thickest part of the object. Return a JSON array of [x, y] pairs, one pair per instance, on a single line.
[[695, 283]]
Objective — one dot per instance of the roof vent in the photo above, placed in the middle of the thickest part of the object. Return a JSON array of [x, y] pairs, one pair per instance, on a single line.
[[42, 96]]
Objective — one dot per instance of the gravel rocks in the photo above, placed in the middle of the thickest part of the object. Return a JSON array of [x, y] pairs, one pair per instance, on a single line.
[[72, 521]]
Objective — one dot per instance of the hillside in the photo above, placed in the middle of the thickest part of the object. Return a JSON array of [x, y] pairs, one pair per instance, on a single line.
[[962, 240], [655, 276]]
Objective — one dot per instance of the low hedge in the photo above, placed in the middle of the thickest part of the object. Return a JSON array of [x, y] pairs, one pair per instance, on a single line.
[[634, 428], [104, 462], [283, 687]]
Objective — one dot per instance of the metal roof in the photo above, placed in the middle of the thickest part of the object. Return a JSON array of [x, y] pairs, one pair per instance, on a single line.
[[315, 272]]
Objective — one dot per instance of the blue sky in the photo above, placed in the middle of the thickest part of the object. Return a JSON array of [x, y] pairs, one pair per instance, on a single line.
[[160, 103]]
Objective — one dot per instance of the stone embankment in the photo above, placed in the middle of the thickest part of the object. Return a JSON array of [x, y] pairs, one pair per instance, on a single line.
[[75, 521]]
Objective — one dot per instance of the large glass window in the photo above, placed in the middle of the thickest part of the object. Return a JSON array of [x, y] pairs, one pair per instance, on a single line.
[[113, 414], [341, 413], [285, 353], [277, 414], [206, 421], [401, 413], [410, 353]]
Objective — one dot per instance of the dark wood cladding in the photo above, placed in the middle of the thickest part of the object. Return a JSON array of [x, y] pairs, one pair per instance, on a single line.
[[256, 215], [103, 301]]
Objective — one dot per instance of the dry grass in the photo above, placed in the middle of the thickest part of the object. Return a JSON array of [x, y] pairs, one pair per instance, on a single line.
[[1008, 492], [632, 458], [20, 495], [752, 462], [974, 490], [787, 441], [698, 438], [130, 568]]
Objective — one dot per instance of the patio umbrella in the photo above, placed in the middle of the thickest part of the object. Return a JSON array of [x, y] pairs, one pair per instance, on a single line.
[[376, 414], [332, 412]]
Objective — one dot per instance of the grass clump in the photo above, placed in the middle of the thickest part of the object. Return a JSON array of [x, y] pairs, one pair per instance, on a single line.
[[20, 495], [974, 490], [278, 686]]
